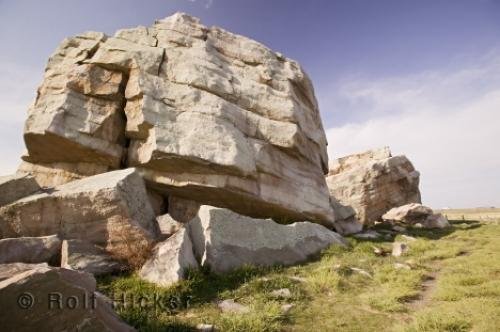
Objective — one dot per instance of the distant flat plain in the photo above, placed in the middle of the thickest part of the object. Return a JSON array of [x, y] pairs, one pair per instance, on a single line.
[[480, 214]]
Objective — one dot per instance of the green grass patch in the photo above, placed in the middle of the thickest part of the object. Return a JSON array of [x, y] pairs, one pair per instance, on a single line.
[[345, 289]]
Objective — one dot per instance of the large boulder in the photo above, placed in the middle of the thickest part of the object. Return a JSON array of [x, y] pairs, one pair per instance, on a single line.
[[14, 187], [111, 210], [203, 113], [416, 214], [55, 299], [224, 240], [30, 249], [372, 183], [170, 260]]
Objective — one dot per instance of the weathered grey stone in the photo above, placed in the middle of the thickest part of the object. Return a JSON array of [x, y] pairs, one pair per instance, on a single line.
[[225, 240], [371, 183], [210, 116], [64, 300], [110, 210], [170, 260], [43, 249], [84, 256], [14, 187], [11, 269]]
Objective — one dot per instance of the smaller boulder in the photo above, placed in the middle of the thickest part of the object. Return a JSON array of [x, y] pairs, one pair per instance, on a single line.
[[416, 214], [84, 256], [408, 214], [170, 260], [30, 249]]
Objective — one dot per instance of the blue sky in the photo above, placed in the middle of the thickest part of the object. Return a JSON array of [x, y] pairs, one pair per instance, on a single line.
[[421, 76]]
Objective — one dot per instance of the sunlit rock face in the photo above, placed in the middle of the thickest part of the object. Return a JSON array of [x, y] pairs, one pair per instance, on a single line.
[[202, 113]]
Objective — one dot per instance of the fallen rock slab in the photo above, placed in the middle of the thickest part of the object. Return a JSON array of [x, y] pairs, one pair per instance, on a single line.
[[170, 260], [224, 240], [14, 187], [84, 256], [55, 299], [372, 183], [30, 249], [110, 210]]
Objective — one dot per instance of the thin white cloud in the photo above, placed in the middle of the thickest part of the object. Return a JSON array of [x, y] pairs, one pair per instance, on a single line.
[[447, 122]]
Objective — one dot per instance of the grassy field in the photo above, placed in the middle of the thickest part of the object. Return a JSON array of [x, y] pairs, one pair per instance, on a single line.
[[448, 281]]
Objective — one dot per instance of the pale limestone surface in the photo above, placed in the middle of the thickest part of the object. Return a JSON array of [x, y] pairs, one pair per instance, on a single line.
[[110, 210], [373, 182], [203, 113]]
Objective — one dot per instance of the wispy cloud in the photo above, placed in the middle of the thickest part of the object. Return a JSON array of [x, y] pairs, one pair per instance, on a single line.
[[208, 3], [446, 121]]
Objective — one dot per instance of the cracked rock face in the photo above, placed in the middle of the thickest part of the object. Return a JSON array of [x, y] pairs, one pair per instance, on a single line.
[[367, 185], [202, 113]]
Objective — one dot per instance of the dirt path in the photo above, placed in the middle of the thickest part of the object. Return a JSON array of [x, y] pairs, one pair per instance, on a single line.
[[428, 287]]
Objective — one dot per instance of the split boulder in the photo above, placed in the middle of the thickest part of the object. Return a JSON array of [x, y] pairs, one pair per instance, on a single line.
[[372, 183]]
